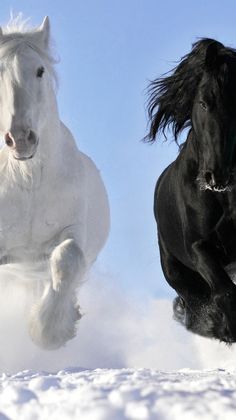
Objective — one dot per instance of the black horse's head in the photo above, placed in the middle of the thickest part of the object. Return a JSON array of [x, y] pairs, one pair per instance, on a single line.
[[201, 94], [213, 317]]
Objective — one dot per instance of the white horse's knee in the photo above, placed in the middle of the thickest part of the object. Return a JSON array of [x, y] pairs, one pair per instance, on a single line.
[[67, 263]]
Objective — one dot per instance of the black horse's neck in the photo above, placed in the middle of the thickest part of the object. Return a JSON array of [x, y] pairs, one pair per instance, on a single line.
[[188, 155]]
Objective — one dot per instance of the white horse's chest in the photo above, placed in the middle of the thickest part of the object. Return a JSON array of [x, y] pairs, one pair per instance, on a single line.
[[33, 218]]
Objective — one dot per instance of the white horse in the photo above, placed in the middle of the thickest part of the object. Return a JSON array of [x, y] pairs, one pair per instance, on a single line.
[[53, 205]]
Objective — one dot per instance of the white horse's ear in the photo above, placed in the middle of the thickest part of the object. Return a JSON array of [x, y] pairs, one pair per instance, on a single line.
[[44, 31]]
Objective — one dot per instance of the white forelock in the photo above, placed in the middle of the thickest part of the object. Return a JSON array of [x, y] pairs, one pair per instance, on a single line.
[[17, 34], [18, 24]]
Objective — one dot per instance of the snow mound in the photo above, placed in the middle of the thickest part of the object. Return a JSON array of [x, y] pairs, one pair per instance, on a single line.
[[105, 394]]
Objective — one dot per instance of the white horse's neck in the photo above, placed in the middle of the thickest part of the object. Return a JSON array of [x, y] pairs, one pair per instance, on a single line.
[[50, 147]]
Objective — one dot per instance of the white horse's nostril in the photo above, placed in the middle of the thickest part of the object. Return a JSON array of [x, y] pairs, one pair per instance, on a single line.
[[9, 140], [32, 137]]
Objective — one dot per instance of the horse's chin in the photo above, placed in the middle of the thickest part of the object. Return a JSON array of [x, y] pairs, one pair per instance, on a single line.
[[23, 158], [26, 154], [204, 186], [219, 188]]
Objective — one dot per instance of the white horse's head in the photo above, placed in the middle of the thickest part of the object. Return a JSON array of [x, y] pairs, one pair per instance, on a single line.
[[25, 82]]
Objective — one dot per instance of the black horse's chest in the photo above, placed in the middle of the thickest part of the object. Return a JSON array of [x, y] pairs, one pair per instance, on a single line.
[[226, 228]]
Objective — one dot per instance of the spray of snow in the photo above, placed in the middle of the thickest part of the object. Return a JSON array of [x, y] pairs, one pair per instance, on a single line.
[[117, 330]]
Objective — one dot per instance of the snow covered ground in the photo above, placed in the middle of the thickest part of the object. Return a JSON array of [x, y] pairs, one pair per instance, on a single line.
[[131, 361], [116, 394]]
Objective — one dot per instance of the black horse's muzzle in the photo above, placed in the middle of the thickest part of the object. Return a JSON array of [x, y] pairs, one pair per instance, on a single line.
[[214, 182]]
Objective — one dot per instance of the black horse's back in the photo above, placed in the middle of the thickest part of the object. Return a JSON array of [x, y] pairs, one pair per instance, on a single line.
[[195, 197]]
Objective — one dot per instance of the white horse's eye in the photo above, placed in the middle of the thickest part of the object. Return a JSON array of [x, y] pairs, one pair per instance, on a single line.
[[40, 71]]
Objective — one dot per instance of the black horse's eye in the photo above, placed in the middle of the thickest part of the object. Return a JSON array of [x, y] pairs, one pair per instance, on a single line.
[[40, 71], [203, 105]]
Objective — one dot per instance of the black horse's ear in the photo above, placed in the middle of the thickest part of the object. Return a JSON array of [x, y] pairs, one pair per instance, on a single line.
[[212, 59]]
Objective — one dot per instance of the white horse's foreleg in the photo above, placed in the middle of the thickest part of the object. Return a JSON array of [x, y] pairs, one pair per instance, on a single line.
[[54, 317], [67, 266]]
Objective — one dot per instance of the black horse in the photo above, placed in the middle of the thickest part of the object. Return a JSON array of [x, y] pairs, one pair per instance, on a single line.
[[195, 197]]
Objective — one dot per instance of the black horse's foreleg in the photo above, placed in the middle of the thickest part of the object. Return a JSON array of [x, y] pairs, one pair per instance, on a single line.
[[223, 236], [207, 262], [185, 281]]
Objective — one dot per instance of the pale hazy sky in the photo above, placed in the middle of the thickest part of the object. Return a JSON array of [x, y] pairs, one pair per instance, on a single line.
[[108, 51]]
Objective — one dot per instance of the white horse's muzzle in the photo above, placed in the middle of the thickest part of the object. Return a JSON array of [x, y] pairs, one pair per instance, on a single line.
[[22, 147]]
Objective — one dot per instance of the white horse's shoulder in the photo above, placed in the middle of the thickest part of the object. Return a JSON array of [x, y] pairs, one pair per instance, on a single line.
[[66, 133], [74, 158]]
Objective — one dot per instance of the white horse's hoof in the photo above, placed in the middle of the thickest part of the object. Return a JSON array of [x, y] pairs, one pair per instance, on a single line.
[[53, 321]]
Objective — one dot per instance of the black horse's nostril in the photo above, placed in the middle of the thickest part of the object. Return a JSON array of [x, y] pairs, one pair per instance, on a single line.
[[32, 137], [210, 178]]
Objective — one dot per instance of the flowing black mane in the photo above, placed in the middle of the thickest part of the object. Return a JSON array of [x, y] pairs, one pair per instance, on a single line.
[[171, 97]]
